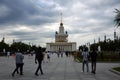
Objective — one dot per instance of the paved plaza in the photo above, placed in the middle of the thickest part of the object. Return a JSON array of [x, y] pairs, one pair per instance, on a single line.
[[62, 68]]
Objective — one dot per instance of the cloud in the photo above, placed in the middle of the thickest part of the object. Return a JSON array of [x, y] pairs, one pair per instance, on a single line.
[[26, 12], [37, 20]]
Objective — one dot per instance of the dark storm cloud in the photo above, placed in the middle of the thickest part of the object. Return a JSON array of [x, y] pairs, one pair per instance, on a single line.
[[30, 35], [100, 4], [39, 17], [23, 12], [17, 33], [100, 12], [64, 3], [23, 35]]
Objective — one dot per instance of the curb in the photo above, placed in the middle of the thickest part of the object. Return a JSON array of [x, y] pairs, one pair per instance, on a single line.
[[114, 71]]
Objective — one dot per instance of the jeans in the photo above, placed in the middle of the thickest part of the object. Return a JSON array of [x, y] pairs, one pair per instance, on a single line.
[[18, 65], [39, 67], [93, 66], [85, 62]]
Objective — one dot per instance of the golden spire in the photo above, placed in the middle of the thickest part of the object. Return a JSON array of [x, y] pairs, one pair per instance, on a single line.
[[61, 24], [60, 17]]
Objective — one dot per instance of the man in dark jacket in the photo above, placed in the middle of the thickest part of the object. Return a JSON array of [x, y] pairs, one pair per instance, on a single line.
[[39, 58], [93, 60]]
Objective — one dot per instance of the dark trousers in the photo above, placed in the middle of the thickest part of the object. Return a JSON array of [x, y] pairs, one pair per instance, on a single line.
[[85, 62], [39, 67], [18, 66], [94, 66]]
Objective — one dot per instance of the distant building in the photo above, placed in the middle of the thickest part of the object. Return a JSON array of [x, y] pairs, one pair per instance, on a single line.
[[115, 36], [105, 38], [3, 40], [61, 41]]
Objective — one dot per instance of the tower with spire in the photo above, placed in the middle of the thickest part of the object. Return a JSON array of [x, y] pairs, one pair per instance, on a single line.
[[105, 38], [115, 36], [61, 36], [3, 40], [61, 41]]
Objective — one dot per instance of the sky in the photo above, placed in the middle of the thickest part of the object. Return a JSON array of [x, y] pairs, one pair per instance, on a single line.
[[36, 21]]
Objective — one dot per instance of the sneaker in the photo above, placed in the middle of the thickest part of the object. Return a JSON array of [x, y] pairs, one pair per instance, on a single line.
[[12, 75], [94, 72], [21, 74], [41, 73], [17, 72], [82, 71], [36, 74]]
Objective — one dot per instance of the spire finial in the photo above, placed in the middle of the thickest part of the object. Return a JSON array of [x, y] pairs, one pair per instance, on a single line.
[[61, 24], [61, 17]]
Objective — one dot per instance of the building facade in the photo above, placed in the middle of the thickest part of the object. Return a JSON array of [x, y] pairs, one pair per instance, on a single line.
[[61, 41]]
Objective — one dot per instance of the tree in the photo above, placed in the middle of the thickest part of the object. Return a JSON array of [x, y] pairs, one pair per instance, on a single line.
[[117, 18], [19, 46], [3, 46]]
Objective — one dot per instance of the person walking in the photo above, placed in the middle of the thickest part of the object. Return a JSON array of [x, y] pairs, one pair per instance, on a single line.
[[39, 59], [93, 61], [19, 63], [48, 56], [85, 56], [8, 54]]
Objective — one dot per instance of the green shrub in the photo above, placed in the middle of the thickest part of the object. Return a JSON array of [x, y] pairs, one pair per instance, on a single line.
[[117, 69]]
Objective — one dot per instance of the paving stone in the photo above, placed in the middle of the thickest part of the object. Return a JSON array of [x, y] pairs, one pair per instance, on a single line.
[[62, 68]]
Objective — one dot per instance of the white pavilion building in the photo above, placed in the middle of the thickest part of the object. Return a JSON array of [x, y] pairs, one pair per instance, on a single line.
[[61, 41]]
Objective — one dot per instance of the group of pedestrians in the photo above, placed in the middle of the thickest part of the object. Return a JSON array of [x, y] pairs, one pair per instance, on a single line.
[[89, 55], [39, 58], [19, 62]]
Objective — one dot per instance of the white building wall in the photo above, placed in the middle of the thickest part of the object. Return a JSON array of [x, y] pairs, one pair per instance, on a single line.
[[48, 47], [73, 46]]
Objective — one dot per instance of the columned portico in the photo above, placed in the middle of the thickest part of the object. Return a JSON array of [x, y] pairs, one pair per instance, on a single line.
[[61, 46]]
